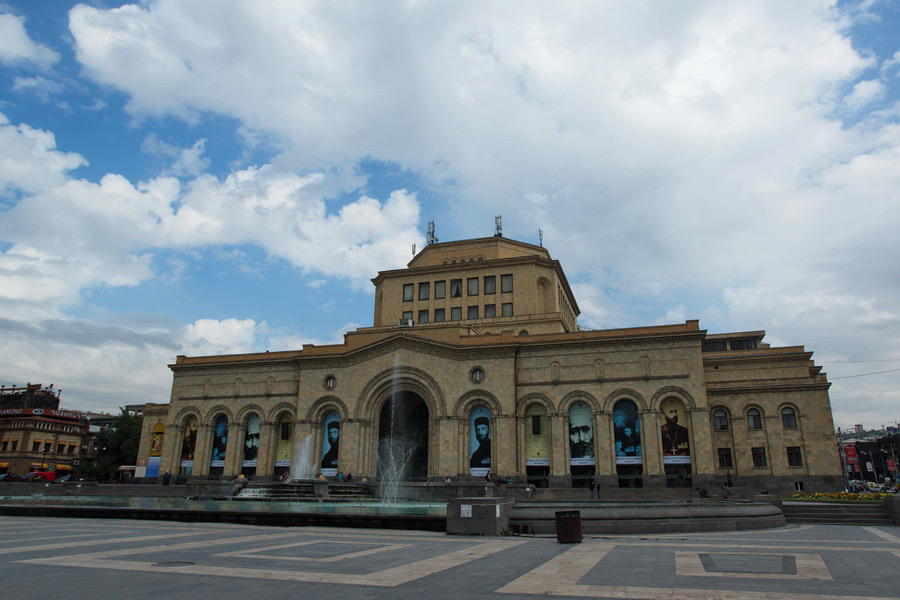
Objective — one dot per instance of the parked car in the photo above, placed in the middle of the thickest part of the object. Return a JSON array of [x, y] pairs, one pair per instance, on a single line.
[[63, 479], [10, 477]]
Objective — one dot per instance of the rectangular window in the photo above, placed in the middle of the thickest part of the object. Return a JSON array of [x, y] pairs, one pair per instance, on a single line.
[[439, 315], [456, 288], [36, 446], [3, 445], [423, 316], [505, 283], [795, 459], [456, 314], [743, 344], [473, 312], [440, 289], [725, 458], [60, 448], [536, 425], [285, 431], [490, 284], [490, 311], [407, 316], [472, 286], [15, 444], [798, 486], [48, 446], [788, 418], [715, 346], [407, 292], [759, 457], [506, 309], [424, 289], [71, 448]]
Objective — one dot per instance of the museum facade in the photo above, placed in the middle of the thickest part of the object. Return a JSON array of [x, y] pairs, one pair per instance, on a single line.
[[475, 365]]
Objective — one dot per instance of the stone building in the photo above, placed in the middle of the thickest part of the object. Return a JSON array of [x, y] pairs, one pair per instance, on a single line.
[[475, 364]]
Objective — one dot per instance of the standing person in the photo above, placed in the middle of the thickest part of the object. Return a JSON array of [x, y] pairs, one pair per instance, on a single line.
[[341, 476], [592, 489], [597, 485], [728, 479], [166, 477]]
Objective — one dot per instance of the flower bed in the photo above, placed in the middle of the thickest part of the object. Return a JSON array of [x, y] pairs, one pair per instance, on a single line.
[[838, 497]]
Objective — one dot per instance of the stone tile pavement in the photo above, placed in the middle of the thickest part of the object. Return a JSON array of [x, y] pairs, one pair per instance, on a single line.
[[89, 559]]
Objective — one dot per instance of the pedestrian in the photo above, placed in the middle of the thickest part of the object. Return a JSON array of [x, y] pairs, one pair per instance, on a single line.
[[728, 482], [166, 477], [592, 489], [597, 486], [341, 476], [349, 476]]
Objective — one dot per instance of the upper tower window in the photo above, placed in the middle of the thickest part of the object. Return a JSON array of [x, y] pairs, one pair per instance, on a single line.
[[407, 292], [440, 289], [472, 286], [456, 288], [490, 284], [506, 283], [424, 289]]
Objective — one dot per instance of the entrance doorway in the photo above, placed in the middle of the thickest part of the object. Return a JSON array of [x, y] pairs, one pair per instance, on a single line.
[[403, 438]]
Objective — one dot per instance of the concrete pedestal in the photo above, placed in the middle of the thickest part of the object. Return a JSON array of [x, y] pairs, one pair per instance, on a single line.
[[478, 516]]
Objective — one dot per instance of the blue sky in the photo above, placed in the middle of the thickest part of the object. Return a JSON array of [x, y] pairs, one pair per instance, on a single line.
[[210, 177]]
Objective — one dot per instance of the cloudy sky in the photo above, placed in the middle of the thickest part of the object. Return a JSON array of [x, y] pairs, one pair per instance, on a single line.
[[216, 176]]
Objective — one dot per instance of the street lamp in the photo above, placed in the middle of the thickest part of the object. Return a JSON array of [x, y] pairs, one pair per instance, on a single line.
[[44, 457]]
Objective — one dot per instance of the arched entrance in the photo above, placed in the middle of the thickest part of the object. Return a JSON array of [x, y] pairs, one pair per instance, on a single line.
[[403, 438]]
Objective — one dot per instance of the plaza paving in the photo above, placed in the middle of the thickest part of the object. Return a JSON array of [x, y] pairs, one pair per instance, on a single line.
[[90, 559]]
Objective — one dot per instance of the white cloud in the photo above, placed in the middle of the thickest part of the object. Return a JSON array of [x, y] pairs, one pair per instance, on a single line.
[[186, 162], [865, 92], [16, 46], [227, 336]]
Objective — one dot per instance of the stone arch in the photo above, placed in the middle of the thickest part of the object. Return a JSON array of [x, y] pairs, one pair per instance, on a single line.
[[379, 389], [535, 398], [624, 394], [182, 416], [245, 411], [674, 391], [215, 411], [473, 398], [325, 405], [279, 409], [578, 396]]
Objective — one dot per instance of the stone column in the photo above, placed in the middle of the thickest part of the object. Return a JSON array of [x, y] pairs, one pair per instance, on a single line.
[[702, 456], [559, 475], [503, 444], [603, 445], [171, 454], [234, 449], [265, 457], [350, 457], [202, 450], [651, 445]]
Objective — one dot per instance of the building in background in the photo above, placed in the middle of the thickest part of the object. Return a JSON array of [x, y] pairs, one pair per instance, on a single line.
[[474, 365], [35, 434]]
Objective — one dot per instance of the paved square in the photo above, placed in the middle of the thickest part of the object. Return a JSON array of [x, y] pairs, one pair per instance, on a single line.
[[89, 559]]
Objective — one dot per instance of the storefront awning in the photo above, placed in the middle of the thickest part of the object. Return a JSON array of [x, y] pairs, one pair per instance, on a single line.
[[63, 467], [3, 465]]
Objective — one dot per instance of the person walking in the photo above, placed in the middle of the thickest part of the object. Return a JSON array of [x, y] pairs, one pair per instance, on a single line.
[[592, 489]]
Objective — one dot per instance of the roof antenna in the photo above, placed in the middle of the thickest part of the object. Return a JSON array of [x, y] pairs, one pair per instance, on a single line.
[[498, 226], [414, 250], [541, 236], [429, 234]]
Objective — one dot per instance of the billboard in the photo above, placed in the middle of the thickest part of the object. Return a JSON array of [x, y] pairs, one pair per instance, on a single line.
[[581, 435], [480, 441], [331, 444], [627, 433]]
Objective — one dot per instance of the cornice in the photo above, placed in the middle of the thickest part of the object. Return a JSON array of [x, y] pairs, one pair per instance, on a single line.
[[766, 389]]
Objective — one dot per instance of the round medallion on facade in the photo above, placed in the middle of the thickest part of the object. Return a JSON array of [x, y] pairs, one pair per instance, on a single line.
[[476, 375]]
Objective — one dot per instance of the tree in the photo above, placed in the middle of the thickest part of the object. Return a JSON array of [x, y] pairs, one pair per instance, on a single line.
[[118, 444]]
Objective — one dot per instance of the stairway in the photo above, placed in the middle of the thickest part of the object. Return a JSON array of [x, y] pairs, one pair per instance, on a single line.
[[834, 513]]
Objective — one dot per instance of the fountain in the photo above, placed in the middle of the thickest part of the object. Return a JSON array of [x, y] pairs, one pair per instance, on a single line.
[[302, 465]]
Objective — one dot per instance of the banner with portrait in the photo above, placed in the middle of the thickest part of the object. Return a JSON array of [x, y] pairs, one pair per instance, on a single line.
[[480, 441], [331, 444], [220, 442], [156, 439], [627, 433], [581, 435], [189, 442], [675, 445], [251, 442]]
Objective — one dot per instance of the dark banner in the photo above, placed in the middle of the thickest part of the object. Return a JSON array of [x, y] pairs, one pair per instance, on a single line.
[[480, 441], [627, 433], [251, 442], [676, 448], [581, 435], [220, 442], [331, 444]]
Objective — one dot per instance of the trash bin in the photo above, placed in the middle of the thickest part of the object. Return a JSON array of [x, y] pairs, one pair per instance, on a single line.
[[568, 526]]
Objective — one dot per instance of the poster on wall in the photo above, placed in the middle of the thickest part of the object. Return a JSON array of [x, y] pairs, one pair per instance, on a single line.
[[581, 435], [480, 442], [220, 442], [331, 444], [676, 448], [251, 442], [156, 440], [189, 442], [627, 433], [152, 467]]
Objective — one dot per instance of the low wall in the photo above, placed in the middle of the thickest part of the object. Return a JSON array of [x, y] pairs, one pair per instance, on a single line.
[[538, 519], [201, 489], [892, 506]]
